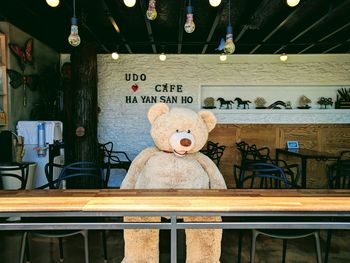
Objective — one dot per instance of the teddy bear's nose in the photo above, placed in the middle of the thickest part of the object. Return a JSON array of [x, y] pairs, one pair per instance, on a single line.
[[185, 142]]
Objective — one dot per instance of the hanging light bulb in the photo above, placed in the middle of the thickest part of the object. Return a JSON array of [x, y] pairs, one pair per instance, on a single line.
[[284, 57], [53, 3], [292, 3], [214, 3], [189, 25], [129, 3], [151, 12], [223, 57], [115, 55], [74, 38], [229, 46], [162, 57]]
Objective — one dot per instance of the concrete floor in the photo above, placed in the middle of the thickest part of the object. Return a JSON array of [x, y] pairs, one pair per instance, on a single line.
[[45, 250]]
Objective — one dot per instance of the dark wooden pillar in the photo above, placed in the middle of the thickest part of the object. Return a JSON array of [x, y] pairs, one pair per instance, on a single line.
[[81, 142]]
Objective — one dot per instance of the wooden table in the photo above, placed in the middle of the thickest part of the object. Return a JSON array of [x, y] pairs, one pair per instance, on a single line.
[[304, 155], [325, 209]]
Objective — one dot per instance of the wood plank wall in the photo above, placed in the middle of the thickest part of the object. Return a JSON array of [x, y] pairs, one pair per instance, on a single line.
[[323, 137]]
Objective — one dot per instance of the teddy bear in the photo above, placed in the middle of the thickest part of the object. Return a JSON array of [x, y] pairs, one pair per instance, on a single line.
[[174, 163]]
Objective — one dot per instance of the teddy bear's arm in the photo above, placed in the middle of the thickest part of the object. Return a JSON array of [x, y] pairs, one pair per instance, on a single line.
[[136, 167], [216, 180]]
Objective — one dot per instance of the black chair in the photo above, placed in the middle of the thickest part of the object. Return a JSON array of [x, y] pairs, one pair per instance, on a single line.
[[338, 176], [253, 154], [214, 151], [110, 159], [270, 176], [72, 176], [14, 176]]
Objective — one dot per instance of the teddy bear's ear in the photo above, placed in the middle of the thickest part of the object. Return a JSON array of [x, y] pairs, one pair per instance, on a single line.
[[208, 118], [156, 110]]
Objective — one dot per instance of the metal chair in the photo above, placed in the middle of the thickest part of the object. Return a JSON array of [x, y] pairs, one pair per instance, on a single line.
[[338, 176], [14, 176], [214, 151], [270, 176], [111, 159], [70, 177], [253, 154]]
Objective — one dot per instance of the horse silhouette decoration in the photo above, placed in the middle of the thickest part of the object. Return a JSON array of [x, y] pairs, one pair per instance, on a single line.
[[227, 103], [244, 103]]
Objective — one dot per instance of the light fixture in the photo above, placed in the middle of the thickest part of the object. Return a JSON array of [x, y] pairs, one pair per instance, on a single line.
[[74, 38], [162, 57], [223, 57], [189, 25], [283, 57], [214, 3], [53, 3], [129, 3], [229, 46], [151, 12], [115, 55], [292, 3]]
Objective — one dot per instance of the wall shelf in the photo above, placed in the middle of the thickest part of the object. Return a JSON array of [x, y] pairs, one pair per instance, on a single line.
[[282, 116]]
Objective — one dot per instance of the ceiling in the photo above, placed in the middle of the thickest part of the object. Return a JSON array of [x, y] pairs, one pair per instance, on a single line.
[[259, 26]]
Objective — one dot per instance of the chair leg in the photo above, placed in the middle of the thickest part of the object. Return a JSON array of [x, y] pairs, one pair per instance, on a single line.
[[27, 251], [318, 247], [60, 243], [23, 247], [252, 248], [284, 250], [240, 240], [86, 245], [328, 245], [104, 242]]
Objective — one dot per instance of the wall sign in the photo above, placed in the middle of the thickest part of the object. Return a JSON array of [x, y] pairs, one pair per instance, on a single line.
[[162, 92]]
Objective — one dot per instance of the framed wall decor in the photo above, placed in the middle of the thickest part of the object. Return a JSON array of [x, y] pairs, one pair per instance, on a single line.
[[292, 144]]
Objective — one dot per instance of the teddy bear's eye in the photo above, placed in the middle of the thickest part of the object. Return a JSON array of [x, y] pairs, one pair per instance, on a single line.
[[188, 131], [177, 130]]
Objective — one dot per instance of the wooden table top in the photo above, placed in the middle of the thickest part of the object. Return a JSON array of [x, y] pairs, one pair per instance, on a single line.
[[175, 200]]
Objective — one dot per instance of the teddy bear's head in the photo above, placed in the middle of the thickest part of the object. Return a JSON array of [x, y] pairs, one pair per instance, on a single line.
[[180, 130]]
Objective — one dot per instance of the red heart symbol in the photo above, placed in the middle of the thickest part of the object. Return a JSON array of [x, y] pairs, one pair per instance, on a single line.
[[134, 87]]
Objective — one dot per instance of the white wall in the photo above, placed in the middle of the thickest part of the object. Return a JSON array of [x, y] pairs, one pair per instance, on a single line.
[[126, 124]]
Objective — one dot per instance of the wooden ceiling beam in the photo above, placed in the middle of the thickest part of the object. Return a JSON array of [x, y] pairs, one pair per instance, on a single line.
[[181, 27], [320, 20], [148, 26], [285, 21], [325, 37], [338, 45], [112, 14], [213, 27], [257, 13]]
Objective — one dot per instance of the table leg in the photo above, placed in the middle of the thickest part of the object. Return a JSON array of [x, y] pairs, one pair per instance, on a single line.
[[173, 242], [303, 172]]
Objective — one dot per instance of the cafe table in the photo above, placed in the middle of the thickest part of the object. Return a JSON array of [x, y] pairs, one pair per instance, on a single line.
[[267, 209], [304, 155]]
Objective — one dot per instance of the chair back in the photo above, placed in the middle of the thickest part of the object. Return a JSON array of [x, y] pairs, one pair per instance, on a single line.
[[339, 174], [80, 175], [264, 176], [252, 154], [14, 175], [214, 151]]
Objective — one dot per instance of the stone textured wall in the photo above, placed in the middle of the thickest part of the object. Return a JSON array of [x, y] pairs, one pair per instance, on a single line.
[[126, 124]]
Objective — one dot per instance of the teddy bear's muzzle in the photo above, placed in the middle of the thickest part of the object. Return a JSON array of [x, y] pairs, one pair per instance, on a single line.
[[181, 143]]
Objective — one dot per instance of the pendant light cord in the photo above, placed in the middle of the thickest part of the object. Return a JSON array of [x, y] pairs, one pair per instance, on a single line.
[[189, 2], [73, 8], [229, 12]]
